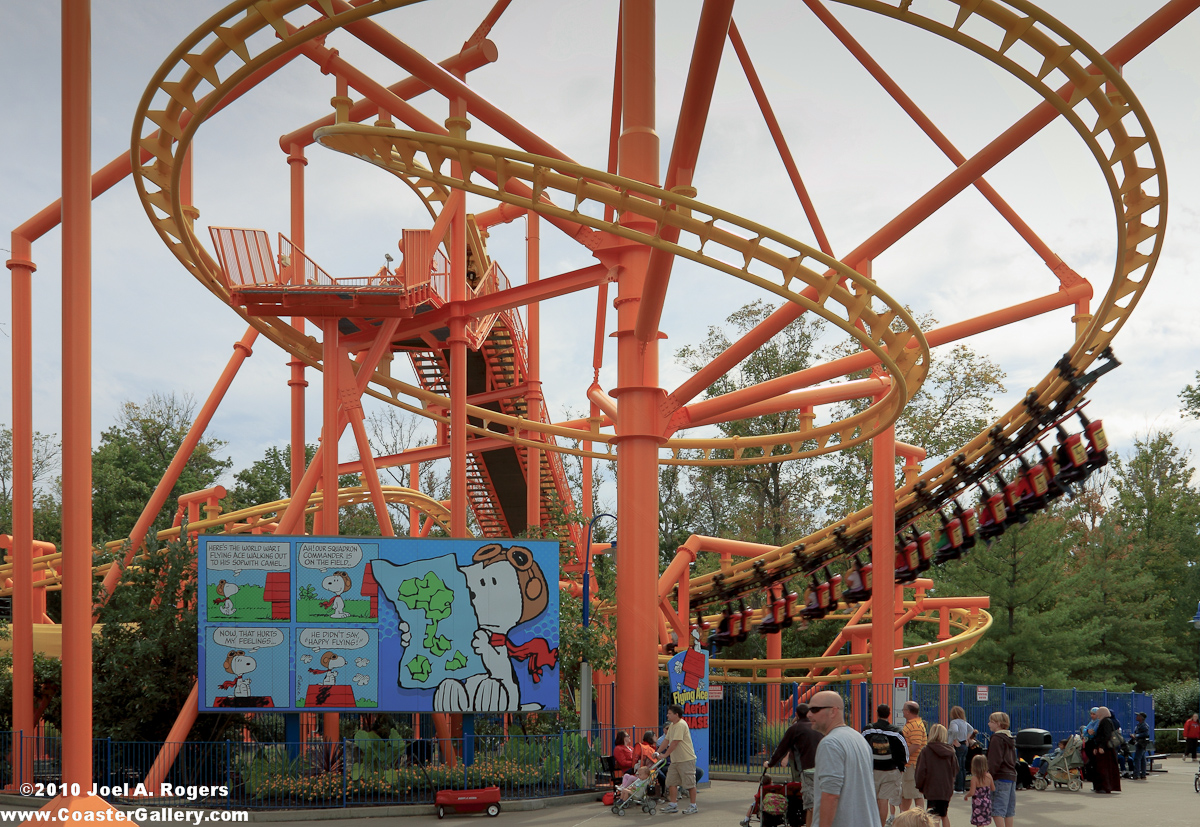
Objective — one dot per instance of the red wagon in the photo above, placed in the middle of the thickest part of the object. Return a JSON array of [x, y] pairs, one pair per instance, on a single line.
[[469, 801]]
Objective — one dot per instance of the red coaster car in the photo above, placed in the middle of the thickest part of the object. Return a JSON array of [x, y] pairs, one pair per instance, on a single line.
[[469, 801]]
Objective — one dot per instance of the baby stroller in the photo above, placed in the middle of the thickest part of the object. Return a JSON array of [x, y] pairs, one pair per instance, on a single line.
[[640, 793], [1066, 768], [777, 805]]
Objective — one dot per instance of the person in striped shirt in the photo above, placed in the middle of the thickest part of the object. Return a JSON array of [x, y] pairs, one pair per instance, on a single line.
[[916, 737]]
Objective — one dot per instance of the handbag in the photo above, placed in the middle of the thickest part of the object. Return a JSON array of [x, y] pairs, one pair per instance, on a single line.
[[1117, 740]]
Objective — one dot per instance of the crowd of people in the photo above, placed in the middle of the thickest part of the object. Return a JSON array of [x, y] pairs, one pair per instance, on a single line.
[[918, 768], [904, 776], [674, 748]]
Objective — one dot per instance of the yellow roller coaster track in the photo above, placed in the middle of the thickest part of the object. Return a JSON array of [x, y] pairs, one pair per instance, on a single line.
[[1014, 35], [968, 627]]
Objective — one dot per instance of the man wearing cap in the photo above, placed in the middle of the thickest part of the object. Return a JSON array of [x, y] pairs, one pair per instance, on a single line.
[[1141, 739]]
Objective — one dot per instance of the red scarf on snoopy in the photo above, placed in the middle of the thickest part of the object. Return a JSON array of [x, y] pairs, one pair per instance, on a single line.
[[536, 652]]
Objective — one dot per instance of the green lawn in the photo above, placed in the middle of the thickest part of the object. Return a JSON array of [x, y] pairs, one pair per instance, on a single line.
[[248, 604], [311, 611]]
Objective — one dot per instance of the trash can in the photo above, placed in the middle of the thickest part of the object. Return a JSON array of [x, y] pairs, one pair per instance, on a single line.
[[1031, 742]]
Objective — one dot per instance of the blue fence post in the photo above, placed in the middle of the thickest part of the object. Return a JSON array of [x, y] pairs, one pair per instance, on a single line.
[[562, 767], [1042, 708], [962, 695], [345, 766], [228, 775], [108, 767], [749, 720], [1004, 697]]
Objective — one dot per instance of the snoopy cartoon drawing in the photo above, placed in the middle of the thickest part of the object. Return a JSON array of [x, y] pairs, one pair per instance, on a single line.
[[238, 663], [339, 583], [226, 590], [507, 588], [331, 662]]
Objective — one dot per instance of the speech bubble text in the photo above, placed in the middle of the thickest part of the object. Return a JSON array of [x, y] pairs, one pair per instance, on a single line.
[[247, 638], [318, 639], [236, 556], [325, 556]]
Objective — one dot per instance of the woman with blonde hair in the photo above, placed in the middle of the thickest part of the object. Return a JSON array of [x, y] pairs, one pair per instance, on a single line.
[[960, 733], [1002, 764], [936, 770]]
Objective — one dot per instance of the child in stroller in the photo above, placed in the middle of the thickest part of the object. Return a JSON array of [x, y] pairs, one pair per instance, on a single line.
[[770, 804], [635, 789], [1065, 767]]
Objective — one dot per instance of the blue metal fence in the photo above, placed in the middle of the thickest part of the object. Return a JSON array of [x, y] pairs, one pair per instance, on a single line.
[[745, 726]]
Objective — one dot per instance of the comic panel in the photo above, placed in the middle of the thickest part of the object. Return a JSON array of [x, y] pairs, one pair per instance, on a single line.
[[247, 580], [246, 667], [337, 668], [468, 626], [335, 582]]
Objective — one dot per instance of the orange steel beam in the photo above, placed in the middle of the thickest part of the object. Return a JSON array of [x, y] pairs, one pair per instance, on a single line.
[[426, 453], [800, 400], [485, 27], [352, 404], [958, 180], [513, 297], [745, 403], [614, 120], [458, 125], [502, 213], [939, 139], [292, 519], [329, 424], [453, 88], [945, 334], [533, 376], [689, 131], [405, 112], [883, 555], [603, 401], [785, 154], [468, 60], [21, 552], [175, 738], [137, 537], [446, 83], [296, 381], [638, 395], [77, 391]]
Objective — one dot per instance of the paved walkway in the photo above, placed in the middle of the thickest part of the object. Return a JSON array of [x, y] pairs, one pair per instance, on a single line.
[[1165, 800]]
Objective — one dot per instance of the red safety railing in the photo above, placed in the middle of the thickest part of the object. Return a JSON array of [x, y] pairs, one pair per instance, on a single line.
[[245, 256]]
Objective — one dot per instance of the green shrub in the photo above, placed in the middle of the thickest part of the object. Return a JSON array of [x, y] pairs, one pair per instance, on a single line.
[[1175, 702]]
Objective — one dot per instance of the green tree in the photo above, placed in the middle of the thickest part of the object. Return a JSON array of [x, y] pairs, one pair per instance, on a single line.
[[1116, 595], [268, 479], [1025, 572], [145, 656], [762, 503], [47, 685], [132, 456], [47, 499], [1156, 503], [952, 406]]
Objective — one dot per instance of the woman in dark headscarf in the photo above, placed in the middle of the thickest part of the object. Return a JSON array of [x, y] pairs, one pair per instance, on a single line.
[[1106, 778]]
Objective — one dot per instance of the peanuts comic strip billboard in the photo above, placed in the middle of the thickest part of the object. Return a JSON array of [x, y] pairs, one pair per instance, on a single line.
[[341, 624]]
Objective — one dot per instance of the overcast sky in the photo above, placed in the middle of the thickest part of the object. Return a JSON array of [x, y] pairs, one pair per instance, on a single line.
[[156, 330]]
